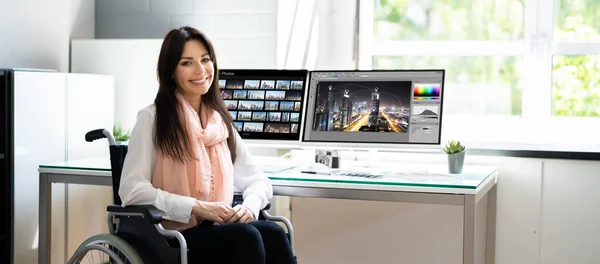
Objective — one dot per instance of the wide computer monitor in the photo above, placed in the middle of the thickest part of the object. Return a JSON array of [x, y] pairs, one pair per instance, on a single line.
[[382, 108], [266, 105]]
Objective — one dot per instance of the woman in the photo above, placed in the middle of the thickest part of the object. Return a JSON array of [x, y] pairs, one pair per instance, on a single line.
[[186, 159]]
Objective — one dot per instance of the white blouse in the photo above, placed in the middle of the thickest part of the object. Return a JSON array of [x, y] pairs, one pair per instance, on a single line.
[[136, 178]]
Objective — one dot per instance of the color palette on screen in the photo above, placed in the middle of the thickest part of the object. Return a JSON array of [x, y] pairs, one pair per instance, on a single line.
[[426, 90], [426, 98]]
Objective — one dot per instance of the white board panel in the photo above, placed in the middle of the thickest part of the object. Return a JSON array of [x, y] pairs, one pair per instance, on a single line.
[[39, 133], [90, 105], [570, 215], [518, 209], [132, 63], [352, 231]]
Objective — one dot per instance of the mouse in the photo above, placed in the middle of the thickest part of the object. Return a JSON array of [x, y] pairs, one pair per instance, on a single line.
[[318, 167]]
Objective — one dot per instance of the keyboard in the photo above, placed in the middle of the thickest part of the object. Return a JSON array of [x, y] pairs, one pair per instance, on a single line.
[[358, 174]]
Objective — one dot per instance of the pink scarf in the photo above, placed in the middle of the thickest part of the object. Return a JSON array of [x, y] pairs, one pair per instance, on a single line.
[[208, 177]]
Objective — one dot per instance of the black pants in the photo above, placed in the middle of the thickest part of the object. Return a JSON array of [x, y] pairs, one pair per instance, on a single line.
[[258, 242]]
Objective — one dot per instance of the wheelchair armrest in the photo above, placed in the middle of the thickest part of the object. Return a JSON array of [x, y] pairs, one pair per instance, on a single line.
[[150, 212]]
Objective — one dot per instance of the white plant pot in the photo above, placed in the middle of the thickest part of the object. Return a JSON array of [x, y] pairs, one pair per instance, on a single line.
[[455, 162]]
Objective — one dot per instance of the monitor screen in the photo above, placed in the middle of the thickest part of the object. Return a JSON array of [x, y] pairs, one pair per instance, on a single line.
[[387, 106], [264, 104]]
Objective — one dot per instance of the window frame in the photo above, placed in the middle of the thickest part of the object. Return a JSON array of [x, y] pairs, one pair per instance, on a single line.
[[537, 49]]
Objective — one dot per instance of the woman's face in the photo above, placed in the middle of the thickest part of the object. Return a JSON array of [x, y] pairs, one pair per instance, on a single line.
[[195, 71]]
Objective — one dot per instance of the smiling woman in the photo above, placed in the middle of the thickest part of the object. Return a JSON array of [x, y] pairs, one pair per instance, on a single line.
[[186, 158], [186, 67], [194, 73]]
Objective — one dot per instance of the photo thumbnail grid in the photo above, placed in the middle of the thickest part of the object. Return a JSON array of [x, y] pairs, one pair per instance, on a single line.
[[263, 105]]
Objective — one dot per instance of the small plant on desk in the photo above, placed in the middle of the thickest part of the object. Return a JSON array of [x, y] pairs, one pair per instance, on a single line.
[[456, 156], [119, 135], [454, 147]]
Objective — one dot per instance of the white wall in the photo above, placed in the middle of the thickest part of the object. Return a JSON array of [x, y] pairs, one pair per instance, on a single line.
[[36, 33], [244, 31]]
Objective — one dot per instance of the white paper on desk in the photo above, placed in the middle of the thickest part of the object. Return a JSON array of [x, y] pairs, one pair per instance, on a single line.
[[273, 164], [423, 176], [274, 168]]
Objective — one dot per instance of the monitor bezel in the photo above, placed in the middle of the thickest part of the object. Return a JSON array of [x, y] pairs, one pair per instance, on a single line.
[[311, 143], [284, 141]]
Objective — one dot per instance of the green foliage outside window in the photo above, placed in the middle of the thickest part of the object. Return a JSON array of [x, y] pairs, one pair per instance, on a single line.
[[576, 79]]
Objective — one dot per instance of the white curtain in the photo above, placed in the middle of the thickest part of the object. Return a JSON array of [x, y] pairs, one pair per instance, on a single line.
[[316, 35]]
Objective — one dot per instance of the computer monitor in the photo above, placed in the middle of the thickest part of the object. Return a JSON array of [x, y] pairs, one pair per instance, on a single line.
[[382, 108], [266, 105]]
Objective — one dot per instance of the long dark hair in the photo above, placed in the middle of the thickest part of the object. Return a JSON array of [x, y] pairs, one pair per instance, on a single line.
[[170, 132]]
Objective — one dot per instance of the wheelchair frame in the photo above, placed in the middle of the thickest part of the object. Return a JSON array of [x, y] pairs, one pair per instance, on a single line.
[[115, 212]]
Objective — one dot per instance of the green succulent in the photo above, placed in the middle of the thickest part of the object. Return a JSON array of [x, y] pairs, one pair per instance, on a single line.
[[118, 133], [453, 147]]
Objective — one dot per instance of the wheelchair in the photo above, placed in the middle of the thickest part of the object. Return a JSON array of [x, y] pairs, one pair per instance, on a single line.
[[136, 234]]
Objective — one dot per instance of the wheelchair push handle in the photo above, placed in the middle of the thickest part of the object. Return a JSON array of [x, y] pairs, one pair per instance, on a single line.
[[98, 134]]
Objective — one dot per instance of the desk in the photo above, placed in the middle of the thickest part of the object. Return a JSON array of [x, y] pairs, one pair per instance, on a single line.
[[417, 184]]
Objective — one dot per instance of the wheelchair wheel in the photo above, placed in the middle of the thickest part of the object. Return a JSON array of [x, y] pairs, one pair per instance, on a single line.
[[105, 248]]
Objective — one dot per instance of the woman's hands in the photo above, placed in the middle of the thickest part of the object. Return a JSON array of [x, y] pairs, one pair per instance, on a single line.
[[240, 214], [212, 211], [222, 213]]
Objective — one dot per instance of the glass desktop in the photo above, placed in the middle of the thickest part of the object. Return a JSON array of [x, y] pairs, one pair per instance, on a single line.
[[415, 175]]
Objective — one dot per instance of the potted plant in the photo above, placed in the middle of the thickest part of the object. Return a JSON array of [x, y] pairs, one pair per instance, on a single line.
[[456, 156], [120, 136]]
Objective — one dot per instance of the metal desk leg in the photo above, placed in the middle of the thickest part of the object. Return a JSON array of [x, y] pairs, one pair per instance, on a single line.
[[469, 230], [66, 227], [44, 222], [490, 243]]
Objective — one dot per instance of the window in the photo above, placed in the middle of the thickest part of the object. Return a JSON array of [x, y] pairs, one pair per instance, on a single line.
[[478, 42], [448, 20], [577, 20], [493, 81], [576, 59], [516, 66]]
